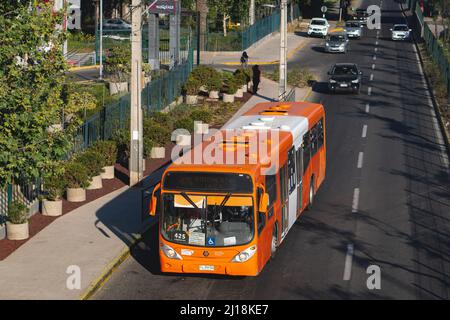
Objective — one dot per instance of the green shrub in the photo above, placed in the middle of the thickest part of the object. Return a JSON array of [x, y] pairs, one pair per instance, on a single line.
[[203, 73], [108, 150], [92, 161], [299, 77], [202, 115], [214, 83], [148, 146], [229, 84], [54, 185], [122, 139], [156, 132], [192, 86], [185, 123], [17, 212], [76, 175], [162, 119], [242, 77]]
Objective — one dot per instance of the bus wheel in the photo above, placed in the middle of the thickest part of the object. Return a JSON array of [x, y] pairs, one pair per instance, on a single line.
[[311, 194], [274, 244]]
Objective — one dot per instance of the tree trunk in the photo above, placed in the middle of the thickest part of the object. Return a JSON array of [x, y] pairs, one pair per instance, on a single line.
[[224, 25], [202, 7]]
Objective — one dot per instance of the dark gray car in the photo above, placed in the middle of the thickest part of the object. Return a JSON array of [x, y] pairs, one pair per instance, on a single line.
[[345, 77]]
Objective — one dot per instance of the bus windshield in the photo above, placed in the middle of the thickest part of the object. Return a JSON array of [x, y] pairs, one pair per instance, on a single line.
[[207, 220]]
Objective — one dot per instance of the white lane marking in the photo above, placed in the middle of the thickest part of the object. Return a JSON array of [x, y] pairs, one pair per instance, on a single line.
[[373, 66], [367, 108], [348, 262], [433, 114], [364, 131], [360, 160], [376, 42], [374, 57], [376, 49], [369, 91], [355, 202], [371, 77]]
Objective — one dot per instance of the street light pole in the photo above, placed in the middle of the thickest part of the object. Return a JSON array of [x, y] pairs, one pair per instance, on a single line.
[[283, 50], [101, 40], [136, 146]]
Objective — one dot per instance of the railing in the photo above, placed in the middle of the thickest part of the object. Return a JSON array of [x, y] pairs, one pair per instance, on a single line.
[[27, 193], [239, 40]]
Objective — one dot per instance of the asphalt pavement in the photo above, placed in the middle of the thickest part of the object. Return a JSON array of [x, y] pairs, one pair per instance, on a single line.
[[385, 203]]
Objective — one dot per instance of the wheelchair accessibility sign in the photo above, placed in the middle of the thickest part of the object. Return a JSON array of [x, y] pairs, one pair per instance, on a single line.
[[210, 241]]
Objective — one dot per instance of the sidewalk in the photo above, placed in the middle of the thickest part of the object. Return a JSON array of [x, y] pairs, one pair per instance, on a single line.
[[259, 54], [93, 237]]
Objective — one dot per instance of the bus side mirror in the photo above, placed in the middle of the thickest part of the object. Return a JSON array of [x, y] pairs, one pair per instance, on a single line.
[[154, 200], [264, 202]]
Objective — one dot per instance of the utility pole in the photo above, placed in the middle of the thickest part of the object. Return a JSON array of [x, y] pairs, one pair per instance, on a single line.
[[136, 146], [283, 50], [101, 40], [252, 12]]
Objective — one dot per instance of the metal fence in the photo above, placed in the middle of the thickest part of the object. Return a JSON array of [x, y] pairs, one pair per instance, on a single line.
[[436, 49], [27, 193], [239, 40]]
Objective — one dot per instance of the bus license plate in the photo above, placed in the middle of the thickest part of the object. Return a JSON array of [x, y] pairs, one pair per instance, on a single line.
[[206, 268]]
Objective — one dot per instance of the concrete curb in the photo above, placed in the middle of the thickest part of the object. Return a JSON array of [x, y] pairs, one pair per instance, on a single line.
[[84, 68], [432, 92]]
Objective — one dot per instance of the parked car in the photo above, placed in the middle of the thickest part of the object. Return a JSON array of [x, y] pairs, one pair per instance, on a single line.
[[400, 32], [116, 24], [337, 41], [345, 76], [361, 16], [353, 29], [318, 26]]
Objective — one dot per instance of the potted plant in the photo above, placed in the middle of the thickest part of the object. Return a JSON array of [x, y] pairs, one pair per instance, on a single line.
[[146, 73], [202, 118], [122, 139], [202, 73], [108, 149], [242, 79], [17, 223], [158, 136], [213, 85], [229, 89], [53, 186], [94, 162], [77, 179], [118, 66], [191, 89]]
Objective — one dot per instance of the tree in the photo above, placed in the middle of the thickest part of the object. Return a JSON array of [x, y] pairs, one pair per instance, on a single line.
[[32, 74]]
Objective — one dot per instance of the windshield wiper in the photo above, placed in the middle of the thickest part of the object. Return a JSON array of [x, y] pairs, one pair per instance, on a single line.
[[185, 196]]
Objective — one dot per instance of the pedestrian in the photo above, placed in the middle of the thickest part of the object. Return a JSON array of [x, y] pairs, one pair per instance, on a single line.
[[244, 59], [256, 78]]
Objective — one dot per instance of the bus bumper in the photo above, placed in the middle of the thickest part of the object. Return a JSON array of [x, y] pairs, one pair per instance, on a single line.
[[249, 268]]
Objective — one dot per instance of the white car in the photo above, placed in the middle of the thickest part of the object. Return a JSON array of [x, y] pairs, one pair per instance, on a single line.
[[318, 26], [400, 32], [116, 24]]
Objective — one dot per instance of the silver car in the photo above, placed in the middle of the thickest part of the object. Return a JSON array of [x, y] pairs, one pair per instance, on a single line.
[[400, 32], [337, 42], [353, 29]]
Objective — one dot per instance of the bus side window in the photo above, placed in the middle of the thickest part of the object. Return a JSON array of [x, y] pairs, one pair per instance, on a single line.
[[291, 170], [321, 133], [261, 215], [314, 140], [271, 188], [306, 151]]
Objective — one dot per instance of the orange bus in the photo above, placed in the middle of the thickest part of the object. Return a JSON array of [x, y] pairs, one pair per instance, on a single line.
[[222, 218]]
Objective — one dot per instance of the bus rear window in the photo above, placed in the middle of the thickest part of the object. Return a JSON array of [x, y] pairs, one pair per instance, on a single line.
[[208, 182]]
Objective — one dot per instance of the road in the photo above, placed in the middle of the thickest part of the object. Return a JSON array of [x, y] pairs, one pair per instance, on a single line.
[[385, 201]]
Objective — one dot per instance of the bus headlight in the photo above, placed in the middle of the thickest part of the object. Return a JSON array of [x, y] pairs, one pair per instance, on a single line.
[[245, 255], [169, 252]]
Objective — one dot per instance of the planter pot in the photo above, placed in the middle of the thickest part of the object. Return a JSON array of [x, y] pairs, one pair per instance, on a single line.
[[52, 208], [96, 183], [158, 153], [201, 128], [118, 87], [17, 231], [244, 88], [214, 94], [228, 98], [203, 89], [76, 194], [108, 173], [191, 99], [179, 100], [239, 93]]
